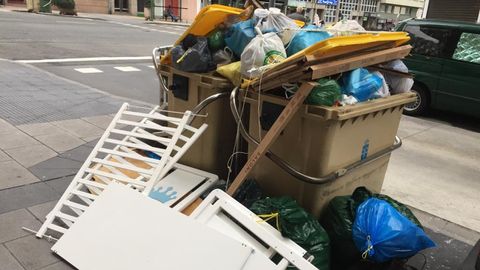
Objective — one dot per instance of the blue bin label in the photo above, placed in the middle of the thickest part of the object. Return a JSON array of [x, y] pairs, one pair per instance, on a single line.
[[365, 150]]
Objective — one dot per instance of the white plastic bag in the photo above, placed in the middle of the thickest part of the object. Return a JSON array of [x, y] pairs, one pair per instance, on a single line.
[[345, 28], [273, 20], [261, 51], [383, 91], [348, 100], [398, 84]]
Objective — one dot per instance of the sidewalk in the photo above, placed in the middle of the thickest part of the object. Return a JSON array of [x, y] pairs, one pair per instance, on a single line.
[[49, 125], [98, 16]]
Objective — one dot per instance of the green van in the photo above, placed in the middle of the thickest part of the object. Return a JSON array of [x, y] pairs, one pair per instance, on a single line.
[[445, 62]]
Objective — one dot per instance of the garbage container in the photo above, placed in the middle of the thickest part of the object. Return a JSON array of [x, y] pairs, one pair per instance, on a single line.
[[45, 6], [186, 90], [322, 140]]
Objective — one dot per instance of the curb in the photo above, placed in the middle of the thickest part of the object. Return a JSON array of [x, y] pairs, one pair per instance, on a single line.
[[168, 23], [70, 16]]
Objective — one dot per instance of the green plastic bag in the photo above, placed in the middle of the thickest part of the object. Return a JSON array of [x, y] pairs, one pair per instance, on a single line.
[[338, 220], [65, 4], [298, 225], [216, 41], [327, 93]]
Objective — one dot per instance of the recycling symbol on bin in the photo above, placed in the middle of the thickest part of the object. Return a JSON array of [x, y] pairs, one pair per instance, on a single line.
[[365, 150]]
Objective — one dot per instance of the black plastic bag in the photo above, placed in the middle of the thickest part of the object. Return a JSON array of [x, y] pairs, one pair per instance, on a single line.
[[248, 193], [298, 225], [193, 58]]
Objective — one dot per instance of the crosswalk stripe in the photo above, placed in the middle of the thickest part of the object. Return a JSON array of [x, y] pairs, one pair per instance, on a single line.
[[88, 70], [127, 68], [151, 66]]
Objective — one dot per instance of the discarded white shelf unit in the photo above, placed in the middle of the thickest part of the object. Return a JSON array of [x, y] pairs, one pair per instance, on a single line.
[[115, 159], [123, 230], [223, 213]]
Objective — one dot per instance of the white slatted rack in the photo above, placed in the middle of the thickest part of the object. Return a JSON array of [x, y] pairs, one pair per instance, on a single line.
[[246, 227], [113, 160]]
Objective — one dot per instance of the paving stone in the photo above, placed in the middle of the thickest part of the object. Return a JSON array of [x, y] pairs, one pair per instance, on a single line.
[[56, 167], [37, 129], [79, 128], [92, 143], [79, 154], [26, 196], [13, 175], [59, 185], [101, 121], [7, 261], [3, 156], [40, 211], [6, 127], [31, 155], [59, 266], [16, 138], [32, 253], [61, 141], [11, 224]]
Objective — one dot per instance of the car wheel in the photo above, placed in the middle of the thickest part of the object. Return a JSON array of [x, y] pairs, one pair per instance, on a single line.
[[420, 105]]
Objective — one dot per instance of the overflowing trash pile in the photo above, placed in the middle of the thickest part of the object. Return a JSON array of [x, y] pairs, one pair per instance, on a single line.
[[258, 47], [138, 202]]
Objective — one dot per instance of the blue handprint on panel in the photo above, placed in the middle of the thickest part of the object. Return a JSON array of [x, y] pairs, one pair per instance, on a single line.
[[163, 195]]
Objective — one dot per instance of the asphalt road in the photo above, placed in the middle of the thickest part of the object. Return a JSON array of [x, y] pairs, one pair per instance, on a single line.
[[25, 36]]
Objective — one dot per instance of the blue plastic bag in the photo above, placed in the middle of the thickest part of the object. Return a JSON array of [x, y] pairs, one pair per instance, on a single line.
[[239, 35], [381, 233], [304, 39], [361, 84]]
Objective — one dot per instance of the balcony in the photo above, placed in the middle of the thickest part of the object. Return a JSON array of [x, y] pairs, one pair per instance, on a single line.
[[406, 3]]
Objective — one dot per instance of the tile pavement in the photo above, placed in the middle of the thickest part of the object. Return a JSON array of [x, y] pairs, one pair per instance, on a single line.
[[48, 126]]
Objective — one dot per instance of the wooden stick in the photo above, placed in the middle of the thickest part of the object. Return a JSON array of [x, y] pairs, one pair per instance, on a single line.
[[288, 112], [339, 66]]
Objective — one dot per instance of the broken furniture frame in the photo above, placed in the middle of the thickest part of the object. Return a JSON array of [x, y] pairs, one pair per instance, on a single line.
[[113, 154], [225, 214]]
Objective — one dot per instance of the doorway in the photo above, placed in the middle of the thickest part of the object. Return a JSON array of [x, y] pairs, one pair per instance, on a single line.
[[121, 5]]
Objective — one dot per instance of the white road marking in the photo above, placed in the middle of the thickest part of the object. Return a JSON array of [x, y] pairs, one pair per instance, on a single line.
[[147, 28], [88, 70], [127, 68], [86, 59], [151, 66]]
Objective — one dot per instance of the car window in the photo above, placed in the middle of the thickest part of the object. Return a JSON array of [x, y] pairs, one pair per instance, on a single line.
[[429, 41], [468, 48]]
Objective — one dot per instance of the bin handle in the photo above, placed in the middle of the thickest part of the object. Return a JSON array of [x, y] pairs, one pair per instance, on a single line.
[[295, 173], [156, 53]]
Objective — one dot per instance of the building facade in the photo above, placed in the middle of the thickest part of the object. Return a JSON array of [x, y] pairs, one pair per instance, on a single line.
[[374, 14]]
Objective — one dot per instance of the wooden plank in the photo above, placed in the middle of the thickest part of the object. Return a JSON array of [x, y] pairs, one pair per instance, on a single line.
[[343, 65], [189, 209], [288, 112], [390, 71]]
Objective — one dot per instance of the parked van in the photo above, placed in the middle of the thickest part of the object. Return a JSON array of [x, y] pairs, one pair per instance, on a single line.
[[445, 61]]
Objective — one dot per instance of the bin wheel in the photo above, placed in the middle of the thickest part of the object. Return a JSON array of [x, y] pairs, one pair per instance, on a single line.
[[420, 105]]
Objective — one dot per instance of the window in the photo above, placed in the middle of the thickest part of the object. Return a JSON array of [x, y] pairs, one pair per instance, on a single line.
[[396, 10], [429, 41], [403, 10], [390, 9], [408, 11], [468, 48]]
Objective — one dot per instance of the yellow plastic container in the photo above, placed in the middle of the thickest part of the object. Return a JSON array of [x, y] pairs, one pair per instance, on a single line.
[[322, 140]]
